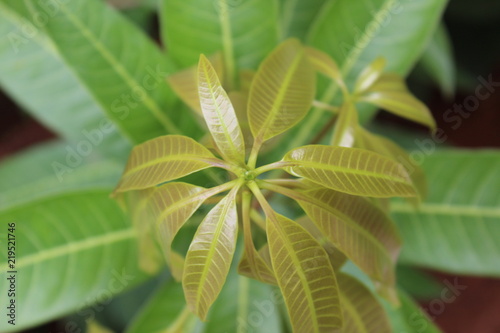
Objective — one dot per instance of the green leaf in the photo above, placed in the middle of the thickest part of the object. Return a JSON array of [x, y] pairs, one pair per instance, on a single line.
[[370, 75], [101, 48], [84, 237], [362, 312], [438, 61], [209, 255], [192, 27], [457, 227], [346, 126], [298, 16], [304, 275], [324, 64], [162, 159], [76, 117], [219, 114], [281, 92], [350, 170], [357, 228]]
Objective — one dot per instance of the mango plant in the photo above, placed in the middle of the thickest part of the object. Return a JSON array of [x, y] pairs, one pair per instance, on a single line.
[[232, 173]]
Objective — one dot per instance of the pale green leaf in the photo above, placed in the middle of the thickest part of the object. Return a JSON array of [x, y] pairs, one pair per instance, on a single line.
[[162, 159], [324, 64], [94, 327], [438, 60], [457, 227], [185, 82], [102, 49], [192, 27], [304, 275], [344, 134], [362, 312], [209, 256], [281, 92], [69, 247], [350, 170], [76, 117], [254, 264], [369, 75], [219, 114]]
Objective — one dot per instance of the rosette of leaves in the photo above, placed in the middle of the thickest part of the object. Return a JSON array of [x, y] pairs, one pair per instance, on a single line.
[[333, 185]]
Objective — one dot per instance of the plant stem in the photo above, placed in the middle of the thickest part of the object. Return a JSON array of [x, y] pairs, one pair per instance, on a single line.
[[260, 198], [272, 166], [252, 159]]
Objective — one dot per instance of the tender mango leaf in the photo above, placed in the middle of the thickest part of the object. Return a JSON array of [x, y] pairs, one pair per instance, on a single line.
[[100, 47], [254, 264], [239, 100], [76, 116], [361, 310], [221, 25], [281, 92], [85, 237], [457, 227], [388, 148], [209, 256], [354, 33], [344, 134], [438, 60], [162, 159], [370, 75], [304, 275], [357, 228], [185, 82], [297, 16], [324, 64], [350, 170], [166, 311], [219, 114]]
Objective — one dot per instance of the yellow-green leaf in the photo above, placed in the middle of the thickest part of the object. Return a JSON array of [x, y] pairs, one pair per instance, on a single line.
[[344, 134], [209, 256], [255, 266], [362, 312], [304, 276], [281, 92], [390, 93], [386, 147], [369, 75], [240, 101], [324, 64], [357, 228], [162, 159], [185, 82], [219, 114], [350, 170]]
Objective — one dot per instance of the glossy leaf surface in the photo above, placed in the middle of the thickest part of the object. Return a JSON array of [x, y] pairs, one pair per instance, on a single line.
[[350, 170]]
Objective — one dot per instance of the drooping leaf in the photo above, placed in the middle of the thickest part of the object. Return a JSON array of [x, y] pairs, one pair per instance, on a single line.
[[386, 147], [438, 60], [221, 25], [361, 310], [255, 265], [162, 159], [77, 116], [350, 170], [219, 114], [304, 276], [357, 228], [84, 237], [298, 16], [281, 92], [185, 82], [209, 256], [324, 64], [345, 131], [369, 75], [101, 48], [457, 227]]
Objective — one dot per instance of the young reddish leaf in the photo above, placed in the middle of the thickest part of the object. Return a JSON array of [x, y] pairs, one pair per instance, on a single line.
[[362, 312], [305, 276], [209, 256], [350, 170], [162, 159], [185, 82], [219, 114], [281, 92]]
